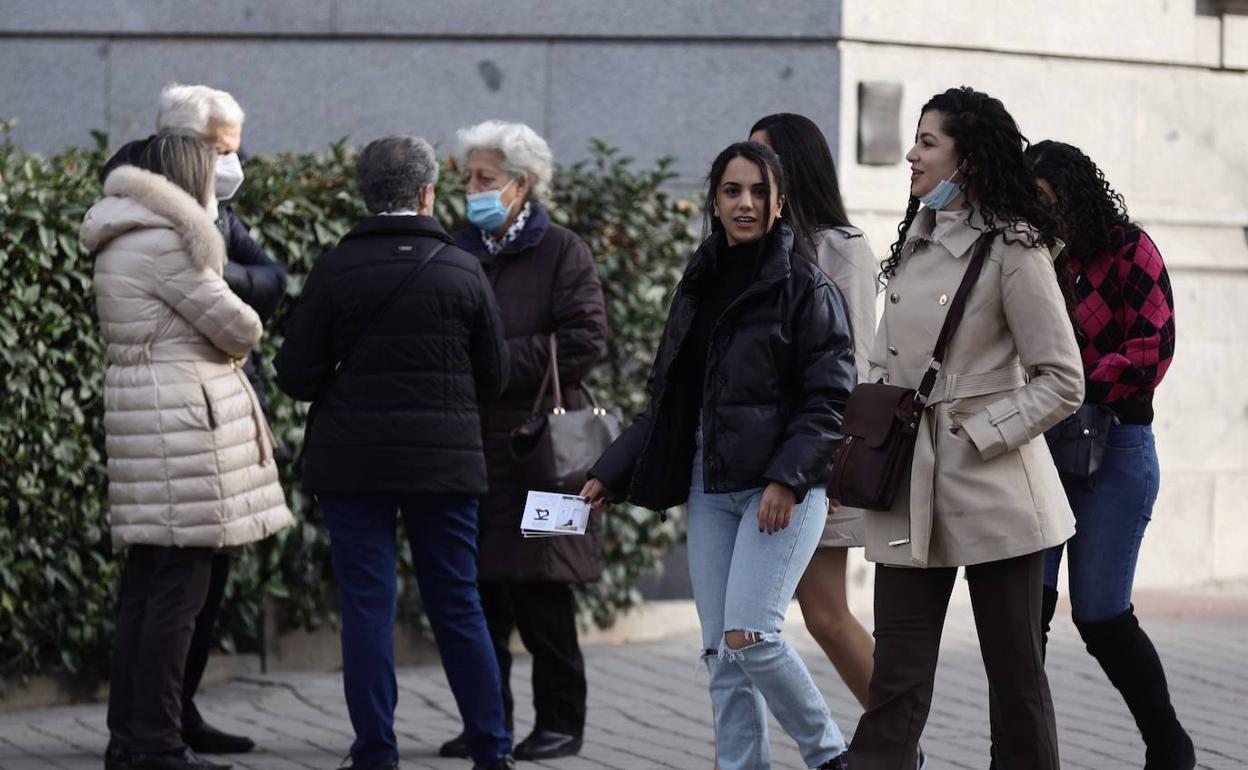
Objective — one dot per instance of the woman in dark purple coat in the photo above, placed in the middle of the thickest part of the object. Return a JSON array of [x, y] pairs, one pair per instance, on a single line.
[[545, 282]]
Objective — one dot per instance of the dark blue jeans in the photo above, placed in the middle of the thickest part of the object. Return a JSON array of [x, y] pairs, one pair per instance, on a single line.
[[442, 533], [1109, 526]]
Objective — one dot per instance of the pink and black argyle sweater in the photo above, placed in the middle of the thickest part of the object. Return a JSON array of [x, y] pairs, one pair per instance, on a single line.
[[1125, 320]]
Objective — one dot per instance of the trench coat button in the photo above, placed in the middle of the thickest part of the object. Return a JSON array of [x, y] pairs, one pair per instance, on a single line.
[[892, 350], [894, 298], [944, 299]]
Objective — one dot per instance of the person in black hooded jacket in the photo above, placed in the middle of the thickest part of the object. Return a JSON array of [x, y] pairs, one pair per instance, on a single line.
[[215, 117], [746, 398]]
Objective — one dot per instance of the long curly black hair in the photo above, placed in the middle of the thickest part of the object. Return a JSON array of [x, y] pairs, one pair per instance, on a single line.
[[1090, 214], [999, 181]]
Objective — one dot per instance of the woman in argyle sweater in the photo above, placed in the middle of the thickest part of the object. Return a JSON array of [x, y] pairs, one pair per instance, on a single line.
[[1123, 310]]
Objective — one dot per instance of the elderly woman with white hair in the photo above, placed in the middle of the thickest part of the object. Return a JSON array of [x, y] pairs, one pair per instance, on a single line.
[[215, 118], [547, 288]]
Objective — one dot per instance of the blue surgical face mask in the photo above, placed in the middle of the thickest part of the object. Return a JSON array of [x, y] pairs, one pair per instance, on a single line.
[[943, 193], [486, 209]]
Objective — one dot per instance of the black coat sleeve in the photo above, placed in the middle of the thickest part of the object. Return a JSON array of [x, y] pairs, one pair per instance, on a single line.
[[488, 346], [615, 468], [305, 361], [580, 322], [824, 375], [257, 279]]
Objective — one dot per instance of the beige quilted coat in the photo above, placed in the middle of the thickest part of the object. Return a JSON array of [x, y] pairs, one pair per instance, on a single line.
[[190, 455]]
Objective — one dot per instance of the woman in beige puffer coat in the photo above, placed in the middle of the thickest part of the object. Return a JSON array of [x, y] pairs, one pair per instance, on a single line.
[[190, 454]]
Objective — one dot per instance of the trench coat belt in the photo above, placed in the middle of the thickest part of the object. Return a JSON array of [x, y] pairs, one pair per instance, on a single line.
[[954, 386], [924, 464], [170, 352]]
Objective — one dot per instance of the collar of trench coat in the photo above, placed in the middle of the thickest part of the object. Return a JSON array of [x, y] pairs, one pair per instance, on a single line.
[[956, 230]]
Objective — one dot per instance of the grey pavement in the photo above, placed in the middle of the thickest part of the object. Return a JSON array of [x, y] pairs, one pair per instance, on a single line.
[[649, 706]]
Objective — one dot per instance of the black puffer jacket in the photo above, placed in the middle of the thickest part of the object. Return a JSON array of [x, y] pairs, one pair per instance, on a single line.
[[402, 416], [780, 365]]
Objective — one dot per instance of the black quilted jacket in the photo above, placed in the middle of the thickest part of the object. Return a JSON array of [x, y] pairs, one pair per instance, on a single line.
[[780, 365]]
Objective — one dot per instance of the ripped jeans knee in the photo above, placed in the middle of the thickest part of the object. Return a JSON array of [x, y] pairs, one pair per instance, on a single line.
[[736, 643]]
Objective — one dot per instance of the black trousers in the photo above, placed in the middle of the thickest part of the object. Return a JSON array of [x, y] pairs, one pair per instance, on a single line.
[[162, 591], [545, 615], [201, 639], [910, 608]]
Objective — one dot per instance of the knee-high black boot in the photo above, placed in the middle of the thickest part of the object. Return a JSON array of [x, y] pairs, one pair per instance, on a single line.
[[1048, 608], [1133, 667]]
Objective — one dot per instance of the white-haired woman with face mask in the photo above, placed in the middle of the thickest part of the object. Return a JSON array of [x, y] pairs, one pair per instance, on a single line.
[[546, 284]]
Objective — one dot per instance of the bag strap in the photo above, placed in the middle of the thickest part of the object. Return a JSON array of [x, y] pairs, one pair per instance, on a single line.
[[552, 374], [953, 318], [385, 309]]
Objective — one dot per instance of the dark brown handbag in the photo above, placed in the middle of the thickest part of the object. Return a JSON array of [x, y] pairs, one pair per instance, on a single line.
[[882, 421], [555, 450]]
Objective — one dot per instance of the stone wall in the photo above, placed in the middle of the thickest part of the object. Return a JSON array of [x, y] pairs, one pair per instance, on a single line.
[[1157, 94], [669, 77]]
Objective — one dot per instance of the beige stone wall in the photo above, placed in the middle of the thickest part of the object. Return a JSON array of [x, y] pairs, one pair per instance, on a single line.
[[1151, 92]]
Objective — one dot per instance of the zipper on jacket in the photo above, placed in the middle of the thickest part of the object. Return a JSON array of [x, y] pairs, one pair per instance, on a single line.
[[755, 287]]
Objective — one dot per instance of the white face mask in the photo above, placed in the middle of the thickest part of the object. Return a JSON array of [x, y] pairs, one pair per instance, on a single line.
[[227, 177]]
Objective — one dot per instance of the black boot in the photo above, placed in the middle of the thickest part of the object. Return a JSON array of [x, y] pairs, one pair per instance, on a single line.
[[1048, 608], [1130, 661], [455, 747]]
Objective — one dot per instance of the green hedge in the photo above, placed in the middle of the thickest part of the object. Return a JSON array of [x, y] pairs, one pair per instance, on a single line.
[[57, 572]]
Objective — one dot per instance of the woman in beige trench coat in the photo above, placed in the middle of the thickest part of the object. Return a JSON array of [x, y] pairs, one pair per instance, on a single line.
[[982, 492]]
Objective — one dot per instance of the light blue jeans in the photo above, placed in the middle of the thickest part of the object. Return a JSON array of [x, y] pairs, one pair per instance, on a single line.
[[743, 580]]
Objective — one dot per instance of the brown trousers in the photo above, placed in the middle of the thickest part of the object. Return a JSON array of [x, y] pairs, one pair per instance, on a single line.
[[910, 608]]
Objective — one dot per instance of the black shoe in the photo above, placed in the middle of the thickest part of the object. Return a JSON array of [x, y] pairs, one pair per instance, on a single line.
[[181, 759], [502, 763], [116, 757], [206, 739], [386, 766], [456, 747], [548, 744], [839, 762]]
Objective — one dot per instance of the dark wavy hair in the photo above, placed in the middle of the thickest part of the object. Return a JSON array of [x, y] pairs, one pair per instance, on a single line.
[[814, 191], [772, 172], [1087, 209], [999, 181]]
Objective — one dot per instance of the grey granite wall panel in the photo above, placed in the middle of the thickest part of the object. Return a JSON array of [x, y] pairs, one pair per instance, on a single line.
[[690, 101], [57, 89], [302, 95], [472, 18], [601, 19], [166, 17]]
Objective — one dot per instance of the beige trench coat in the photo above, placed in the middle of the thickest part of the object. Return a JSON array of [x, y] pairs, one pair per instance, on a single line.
[[988, 491], [190, 454]]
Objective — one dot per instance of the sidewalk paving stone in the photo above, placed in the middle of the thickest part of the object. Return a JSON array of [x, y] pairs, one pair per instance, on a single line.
[[649, 707]]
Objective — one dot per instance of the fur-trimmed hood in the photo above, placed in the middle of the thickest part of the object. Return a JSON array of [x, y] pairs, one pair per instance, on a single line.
[[137, 199]]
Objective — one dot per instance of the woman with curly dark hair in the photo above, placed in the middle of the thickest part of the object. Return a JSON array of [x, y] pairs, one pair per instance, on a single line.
[[1123, 312], [982, 492]]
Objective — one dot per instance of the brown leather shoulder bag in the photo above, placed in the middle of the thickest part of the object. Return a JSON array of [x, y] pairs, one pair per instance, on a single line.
[[882, 421]]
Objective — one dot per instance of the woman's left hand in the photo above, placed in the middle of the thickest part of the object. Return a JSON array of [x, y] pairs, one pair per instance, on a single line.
[[775, 510]]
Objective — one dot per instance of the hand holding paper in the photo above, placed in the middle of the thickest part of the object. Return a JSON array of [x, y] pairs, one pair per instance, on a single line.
[[550, 514]]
